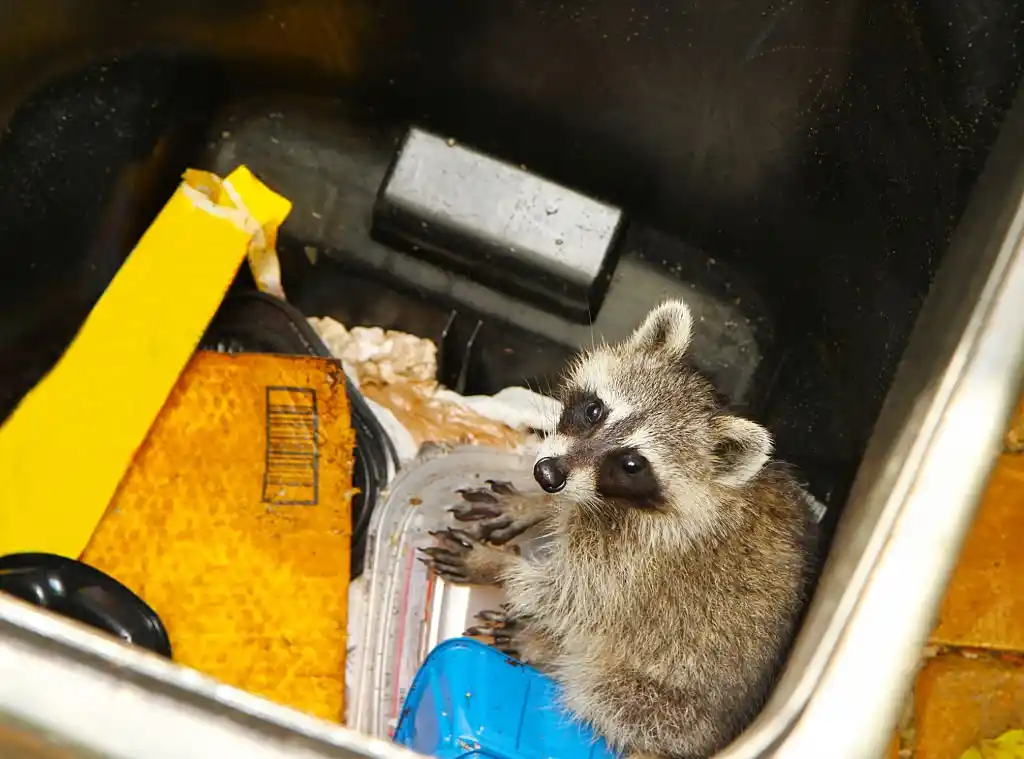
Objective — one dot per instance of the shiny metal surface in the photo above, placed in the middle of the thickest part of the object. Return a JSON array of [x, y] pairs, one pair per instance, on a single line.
[[916, 492], [68, 692]]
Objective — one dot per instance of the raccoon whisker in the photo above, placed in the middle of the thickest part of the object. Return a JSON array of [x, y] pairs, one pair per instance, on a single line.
[[590, 325], [549, 531], [544, 411], [593, 506]]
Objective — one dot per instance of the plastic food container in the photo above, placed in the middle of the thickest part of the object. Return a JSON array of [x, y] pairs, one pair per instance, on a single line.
[[470, 700], [409, 610]]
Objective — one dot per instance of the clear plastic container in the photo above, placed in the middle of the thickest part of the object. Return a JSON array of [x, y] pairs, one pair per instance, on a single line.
[[407, 609]]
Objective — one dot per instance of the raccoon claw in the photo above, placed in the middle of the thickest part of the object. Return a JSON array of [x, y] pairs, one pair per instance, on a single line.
[[495, 617], [447, 558], [448, 564], [470, 511], [448, 571], [499, 512], [489, 494], [497, 630], [439, 554], [494, 623], [493, 525], [461, 558], [501, 487], [478, 631], [454, 537], [503, 529], [477, 495]]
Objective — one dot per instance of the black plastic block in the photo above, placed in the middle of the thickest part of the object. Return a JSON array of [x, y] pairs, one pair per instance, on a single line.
[[499, 225]]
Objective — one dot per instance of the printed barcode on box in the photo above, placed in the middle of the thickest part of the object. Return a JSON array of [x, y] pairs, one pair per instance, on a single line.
[[291, 474]]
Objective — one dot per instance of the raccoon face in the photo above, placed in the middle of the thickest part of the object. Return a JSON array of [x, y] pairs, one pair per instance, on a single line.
[[641, 430]]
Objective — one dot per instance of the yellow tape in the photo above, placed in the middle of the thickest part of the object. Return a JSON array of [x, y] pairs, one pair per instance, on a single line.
[[1009, 745], [66, 447]]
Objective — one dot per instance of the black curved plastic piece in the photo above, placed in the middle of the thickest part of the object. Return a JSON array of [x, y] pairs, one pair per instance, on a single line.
[[84, 593], [256, 322], [516, 232]]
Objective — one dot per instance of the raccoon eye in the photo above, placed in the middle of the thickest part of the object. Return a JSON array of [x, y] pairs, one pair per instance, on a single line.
[[633, 463], [593, 412]]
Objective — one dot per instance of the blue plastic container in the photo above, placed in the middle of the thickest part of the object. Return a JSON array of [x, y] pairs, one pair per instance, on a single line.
[[470, 701]]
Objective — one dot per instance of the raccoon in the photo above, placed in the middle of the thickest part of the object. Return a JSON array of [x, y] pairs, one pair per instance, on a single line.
[[680, 555]]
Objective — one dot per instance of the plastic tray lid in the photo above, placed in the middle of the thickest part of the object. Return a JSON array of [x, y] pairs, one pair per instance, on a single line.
[[470, 700], [408, 609]]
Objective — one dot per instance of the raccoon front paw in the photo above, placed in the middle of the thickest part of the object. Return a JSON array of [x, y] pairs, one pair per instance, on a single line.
[[498, 629], [499, 511], [464, 559]]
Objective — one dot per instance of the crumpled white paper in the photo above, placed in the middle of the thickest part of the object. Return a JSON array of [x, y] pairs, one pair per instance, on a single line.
[[387, 356]]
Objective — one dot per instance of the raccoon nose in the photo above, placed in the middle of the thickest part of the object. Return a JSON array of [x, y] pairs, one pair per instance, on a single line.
[[550, 474]]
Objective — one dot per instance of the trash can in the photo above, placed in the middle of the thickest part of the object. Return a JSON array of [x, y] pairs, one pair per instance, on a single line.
[[801, 172]]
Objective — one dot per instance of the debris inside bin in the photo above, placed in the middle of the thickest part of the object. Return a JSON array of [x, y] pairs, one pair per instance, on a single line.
[[399, 371], [257, 322]]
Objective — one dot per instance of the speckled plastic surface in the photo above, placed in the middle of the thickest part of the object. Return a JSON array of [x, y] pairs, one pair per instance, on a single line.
[[470, 700], [249, 573]]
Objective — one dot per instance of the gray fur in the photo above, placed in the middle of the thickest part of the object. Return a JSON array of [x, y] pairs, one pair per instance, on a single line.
[[666, 616]]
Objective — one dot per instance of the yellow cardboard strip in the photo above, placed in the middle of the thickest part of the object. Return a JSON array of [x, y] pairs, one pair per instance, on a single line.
[[68, 444], [1009, 745]]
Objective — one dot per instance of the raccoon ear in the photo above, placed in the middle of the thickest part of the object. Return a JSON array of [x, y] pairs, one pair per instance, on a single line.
[[741, 450], [667, 327]]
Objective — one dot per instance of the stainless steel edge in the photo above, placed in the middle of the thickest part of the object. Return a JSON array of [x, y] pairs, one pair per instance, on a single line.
[[68, 692], [916, 492], [879, 652]]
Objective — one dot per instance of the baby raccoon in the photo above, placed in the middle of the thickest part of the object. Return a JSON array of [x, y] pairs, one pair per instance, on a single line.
[[680, 555]]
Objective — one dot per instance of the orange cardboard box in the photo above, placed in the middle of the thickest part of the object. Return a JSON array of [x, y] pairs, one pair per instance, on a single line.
[[233, 522]]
